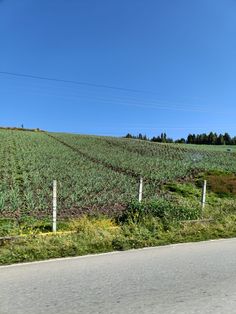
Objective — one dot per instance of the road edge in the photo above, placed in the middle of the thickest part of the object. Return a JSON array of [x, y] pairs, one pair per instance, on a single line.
[[58, 259]]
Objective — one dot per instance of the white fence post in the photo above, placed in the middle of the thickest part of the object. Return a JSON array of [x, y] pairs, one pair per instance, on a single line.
[[54, 207], [140, 191], [204, 194]]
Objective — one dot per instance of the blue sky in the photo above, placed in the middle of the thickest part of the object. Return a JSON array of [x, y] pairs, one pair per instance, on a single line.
[[177, 58]]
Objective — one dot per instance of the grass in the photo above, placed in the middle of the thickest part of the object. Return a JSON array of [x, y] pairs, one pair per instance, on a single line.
[[104, 235], [152, 223]]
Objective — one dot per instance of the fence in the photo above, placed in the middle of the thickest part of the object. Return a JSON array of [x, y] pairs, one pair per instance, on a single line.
[[54, 220]]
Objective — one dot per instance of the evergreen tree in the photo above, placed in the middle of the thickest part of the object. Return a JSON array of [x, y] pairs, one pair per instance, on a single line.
[[128, 135], [227, 139]]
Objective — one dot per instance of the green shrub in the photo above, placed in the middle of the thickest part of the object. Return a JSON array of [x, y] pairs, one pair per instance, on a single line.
[[159, 208]]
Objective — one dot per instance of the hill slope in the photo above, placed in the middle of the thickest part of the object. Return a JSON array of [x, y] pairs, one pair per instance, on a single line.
[[93, 172]]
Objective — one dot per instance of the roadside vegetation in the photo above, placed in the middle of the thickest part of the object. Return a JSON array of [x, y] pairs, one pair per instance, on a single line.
[[97, 194], [104, 235], [152, 223]]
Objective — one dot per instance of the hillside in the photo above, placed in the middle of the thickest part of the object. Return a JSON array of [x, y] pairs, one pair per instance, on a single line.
[[96, 172]]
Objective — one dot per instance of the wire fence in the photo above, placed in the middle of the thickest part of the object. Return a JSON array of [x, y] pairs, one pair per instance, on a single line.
[[50, 219]]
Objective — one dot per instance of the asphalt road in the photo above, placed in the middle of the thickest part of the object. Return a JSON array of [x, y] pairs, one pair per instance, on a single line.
[[186, 278]]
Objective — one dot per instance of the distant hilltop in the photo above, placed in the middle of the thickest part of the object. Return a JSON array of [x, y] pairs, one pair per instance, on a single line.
[[20, 129]]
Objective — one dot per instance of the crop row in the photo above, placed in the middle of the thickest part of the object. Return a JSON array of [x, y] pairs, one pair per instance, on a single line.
[[30, 161], [154, 161], [92, 172]]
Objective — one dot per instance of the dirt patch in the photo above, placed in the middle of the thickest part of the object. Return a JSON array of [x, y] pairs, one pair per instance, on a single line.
[[222, 184]]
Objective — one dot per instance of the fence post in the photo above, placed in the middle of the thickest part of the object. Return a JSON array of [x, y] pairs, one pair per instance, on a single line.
[[54, 206], [204, 194], [140, 190]]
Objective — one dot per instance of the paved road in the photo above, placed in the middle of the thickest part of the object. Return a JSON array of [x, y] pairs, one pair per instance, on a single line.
[[186, 278]]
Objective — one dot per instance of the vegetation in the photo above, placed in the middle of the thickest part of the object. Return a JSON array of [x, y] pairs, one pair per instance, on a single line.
[[97, 194], [156, 162], [104, 235], [93, 173], [204, 139]]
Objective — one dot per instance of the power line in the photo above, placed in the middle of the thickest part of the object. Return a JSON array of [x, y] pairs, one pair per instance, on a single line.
[[121, 98], [150, 104], [123, 101], [120, 102], [72, 82]]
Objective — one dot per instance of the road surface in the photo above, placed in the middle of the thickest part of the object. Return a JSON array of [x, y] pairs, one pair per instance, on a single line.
[[185, 278]]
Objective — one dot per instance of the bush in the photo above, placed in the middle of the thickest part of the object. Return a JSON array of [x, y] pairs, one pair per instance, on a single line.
[[159, 208]]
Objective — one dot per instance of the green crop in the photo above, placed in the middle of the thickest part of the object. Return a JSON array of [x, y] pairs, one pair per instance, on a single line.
[[93, 173]]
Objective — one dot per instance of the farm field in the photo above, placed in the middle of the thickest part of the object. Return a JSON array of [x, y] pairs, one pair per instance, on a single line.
[[154, 161], [93, 172]]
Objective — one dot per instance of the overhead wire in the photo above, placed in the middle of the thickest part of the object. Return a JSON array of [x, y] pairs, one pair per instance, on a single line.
[[71, 82], [117, 100]]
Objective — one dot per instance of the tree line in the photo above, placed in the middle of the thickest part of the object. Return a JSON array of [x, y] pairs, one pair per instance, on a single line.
[[207, 139]]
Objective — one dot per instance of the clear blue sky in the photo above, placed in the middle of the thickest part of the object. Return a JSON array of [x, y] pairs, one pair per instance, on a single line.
[[178, 57]]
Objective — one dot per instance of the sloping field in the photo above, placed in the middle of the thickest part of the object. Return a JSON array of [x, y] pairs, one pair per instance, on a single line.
[[154, 161], [92, 172]]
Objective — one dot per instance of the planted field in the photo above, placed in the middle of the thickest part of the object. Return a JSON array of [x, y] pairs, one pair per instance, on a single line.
[[92, 172], [30, 161], [155, 162]]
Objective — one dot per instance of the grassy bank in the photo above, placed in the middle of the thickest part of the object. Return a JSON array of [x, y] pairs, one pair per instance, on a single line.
[[148, 224], [103, 235]]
